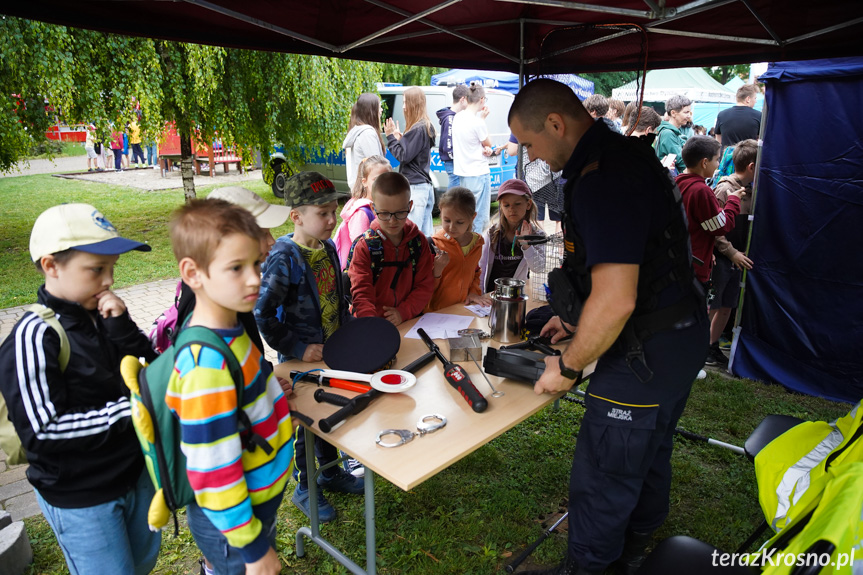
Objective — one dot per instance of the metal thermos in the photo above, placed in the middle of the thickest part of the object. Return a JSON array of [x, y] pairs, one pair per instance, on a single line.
[[508, 308]]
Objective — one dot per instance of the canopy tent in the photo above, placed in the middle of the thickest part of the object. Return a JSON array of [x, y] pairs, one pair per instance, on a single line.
[[536, 36], [508, 81], [802, 314], [734, 83], [660, 85]]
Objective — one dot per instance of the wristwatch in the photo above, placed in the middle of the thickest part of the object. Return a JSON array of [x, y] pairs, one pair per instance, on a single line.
[[567, 372]]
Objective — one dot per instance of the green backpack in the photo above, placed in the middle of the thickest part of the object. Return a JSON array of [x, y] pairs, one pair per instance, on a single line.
[[158, 429], [9, 440]]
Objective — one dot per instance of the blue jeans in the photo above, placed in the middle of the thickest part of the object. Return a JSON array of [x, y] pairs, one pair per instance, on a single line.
[[112, 537], [422, 195], [226, 560], [453, 179], [152, 157], [481, 188]]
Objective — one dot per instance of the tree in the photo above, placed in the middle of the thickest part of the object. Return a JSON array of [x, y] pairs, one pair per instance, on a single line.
[[246, 99], [605, 82], [409, 75], [723, 74]]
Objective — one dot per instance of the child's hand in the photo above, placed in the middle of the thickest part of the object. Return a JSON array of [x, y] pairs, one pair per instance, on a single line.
[[391, 128], [286, 385], [740, 193], [314, 352], [488, 151], [269, 564], [392, 315], [441, 260], [109, 304], [741, 261], [481, 299]]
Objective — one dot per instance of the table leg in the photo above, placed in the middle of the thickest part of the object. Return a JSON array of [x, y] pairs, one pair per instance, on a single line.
[[313, 533]]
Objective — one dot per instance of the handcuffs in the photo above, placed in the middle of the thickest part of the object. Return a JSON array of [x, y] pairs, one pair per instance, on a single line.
[[473, 331], [406, 435]]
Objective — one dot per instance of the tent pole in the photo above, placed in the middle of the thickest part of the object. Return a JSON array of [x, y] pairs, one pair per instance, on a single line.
[[739, 315], [519, 168]]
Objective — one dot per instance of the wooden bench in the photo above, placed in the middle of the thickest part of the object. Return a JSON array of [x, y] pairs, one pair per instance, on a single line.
[[222, 155]]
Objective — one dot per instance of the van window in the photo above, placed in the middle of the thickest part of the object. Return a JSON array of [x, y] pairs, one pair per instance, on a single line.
[[498, 105], [394, 108]]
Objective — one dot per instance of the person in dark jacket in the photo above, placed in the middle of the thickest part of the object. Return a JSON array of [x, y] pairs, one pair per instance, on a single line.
[[413, 150], [75, 423], [445, 115]]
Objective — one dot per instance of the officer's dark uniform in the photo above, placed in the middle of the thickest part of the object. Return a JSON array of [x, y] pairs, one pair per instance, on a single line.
[[621, 207]]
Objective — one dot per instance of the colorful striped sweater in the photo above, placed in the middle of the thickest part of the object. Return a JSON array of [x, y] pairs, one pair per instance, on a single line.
[[233, 487]]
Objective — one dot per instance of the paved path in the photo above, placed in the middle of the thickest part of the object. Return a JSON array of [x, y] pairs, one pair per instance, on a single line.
[[145, 303], [57, 165]]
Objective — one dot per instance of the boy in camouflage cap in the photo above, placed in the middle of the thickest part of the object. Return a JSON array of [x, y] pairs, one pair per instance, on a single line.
[[302, 277]]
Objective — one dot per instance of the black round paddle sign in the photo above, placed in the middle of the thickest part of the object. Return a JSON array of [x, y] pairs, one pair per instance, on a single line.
[[364, 344]]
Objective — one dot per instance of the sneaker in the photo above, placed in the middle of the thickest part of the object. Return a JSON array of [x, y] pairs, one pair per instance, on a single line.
[[716, 357], [89, 169], [724, 344], [353, 466], [342, 482], [326, 512], [701, 374]]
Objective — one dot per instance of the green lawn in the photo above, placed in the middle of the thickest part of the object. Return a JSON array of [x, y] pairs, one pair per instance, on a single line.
[[477, 515], [137, 214]]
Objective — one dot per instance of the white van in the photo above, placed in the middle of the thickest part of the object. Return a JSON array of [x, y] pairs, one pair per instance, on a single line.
[[392, 97]]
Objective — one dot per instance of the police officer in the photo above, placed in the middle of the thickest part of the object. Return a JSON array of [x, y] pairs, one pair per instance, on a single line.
[[628, 287]]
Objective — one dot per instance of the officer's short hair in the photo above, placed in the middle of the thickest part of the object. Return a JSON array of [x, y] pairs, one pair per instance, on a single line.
[[698, 148], [542, 97], [676, 103]]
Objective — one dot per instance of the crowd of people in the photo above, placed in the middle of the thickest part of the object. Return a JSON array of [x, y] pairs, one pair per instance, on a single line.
[[628, 293], [112, 153]]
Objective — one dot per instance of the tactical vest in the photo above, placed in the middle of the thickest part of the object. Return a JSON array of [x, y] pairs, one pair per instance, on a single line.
[[667, 261]]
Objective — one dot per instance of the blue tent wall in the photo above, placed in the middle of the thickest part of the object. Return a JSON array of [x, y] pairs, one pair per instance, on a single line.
[[802, 323]]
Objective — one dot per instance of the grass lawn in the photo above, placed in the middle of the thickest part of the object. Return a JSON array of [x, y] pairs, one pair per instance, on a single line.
[[470, 518], [477, 515], [137, 214], [66, 149]]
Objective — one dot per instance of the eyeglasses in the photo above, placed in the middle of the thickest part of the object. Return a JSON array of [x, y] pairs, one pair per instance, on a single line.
[[387, 216]]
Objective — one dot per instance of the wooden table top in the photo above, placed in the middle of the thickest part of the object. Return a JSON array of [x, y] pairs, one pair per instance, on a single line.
[[409, 465]]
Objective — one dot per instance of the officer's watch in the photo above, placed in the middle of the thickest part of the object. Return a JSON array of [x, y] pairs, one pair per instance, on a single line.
[[566, 372]]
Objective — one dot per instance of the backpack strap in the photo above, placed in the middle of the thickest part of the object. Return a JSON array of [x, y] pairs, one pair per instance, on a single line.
[[368, 212], [48, 316], [203, 336]]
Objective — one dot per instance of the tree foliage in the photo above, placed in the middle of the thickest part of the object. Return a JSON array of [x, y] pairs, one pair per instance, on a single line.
[[409, 75], [605, 82], [247, 99], [723, 74]]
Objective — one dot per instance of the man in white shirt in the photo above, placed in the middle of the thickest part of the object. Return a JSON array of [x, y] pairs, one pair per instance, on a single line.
[[471, 147]]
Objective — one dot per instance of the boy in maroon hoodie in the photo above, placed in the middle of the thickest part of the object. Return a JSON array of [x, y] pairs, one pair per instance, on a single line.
[[706, 218], [391, 264]]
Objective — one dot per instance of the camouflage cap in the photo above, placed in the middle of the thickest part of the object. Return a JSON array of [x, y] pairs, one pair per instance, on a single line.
[[309, 189]]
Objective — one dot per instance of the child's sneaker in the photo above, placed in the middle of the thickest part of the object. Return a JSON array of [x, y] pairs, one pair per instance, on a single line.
[[724, 344], [353, 466], [342, 482], [326, 512]]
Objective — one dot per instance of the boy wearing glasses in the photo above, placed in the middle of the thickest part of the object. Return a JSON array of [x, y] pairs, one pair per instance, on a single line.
[[400, 286], [301, 304]]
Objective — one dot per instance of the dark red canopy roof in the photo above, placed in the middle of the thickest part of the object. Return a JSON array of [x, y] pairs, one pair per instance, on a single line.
[[486, 33]]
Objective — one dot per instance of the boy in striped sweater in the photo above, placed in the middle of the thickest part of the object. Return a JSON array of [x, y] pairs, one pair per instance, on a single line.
[[237, 490]]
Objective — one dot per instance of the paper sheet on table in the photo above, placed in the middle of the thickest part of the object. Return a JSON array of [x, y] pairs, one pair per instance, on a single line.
[[479, 310], [437, 325]]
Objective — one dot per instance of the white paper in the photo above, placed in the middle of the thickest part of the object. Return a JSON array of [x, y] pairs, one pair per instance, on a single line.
[[478, 309], [436, 325]]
